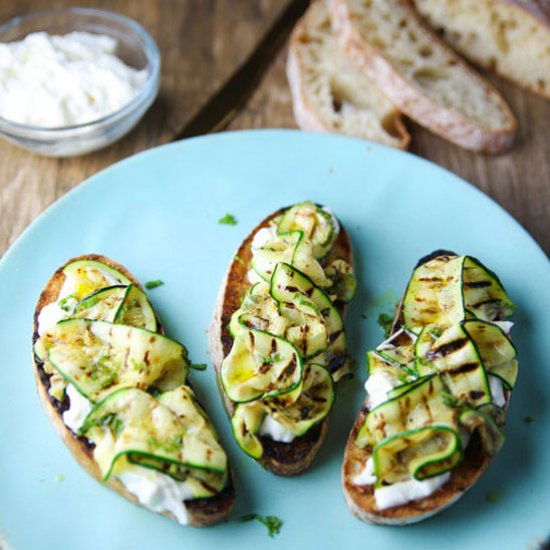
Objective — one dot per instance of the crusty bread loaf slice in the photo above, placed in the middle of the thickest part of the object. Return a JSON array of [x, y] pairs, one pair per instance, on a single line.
[[202, 512], [330, 93], [511, 38], [360, 498], [285, 459], [421, 75]]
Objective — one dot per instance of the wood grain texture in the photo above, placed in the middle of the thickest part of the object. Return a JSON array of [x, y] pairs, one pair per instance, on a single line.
[[201, 43]]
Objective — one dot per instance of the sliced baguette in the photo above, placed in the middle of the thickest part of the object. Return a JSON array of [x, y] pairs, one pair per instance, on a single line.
[[202, 512], [330, 93], [285, 459], [360, 498], [511, 38], [422, 76]]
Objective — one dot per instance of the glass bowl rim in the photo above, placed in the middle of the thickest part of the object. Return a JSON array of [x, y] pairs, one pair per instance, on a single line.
[[150, 49]]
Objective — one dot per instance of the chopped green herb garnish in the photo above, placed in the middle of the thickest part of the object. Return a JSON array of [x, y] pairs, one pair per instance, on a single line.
[[452, 401], [493, 496], [228, 219], [528, 419], [153, 284], [59, 478], [385, 321], [273, 523], [173, 445], [198, 366], [63, 303], [90, 302], [140, 366], [239, 260], [268, 360]]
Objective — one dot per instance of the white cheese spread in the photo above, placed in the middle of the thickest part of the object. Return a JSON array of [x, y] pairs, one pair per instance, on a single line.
[[401, 492], [157, 492], [263, 236], [52, 313], [377, 386], [497, 390], [506, 326], [405, 491], [55, 81], [334, 219], [276, 431], [366, 476], [79, 408], [253, 277]]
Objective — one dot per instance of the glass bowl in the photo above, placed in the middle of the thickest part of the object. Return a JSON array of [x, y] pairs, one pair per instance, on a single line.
[[135, 47]]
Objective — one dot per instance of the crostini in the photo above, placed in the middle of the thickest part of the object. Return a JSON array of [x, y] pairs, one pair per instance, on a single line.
[[437, 393], [277, 339], [115, 389]]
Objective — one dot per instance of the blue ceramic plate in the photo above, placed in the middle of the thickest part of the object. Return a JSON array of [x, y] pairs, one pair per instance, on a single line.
[[157, 213]]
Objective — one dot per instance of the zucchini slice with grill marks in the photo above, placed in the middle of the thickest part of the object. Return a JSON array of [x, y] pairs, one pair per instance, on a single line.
[[246, 423], [258, 311], [291, 248], [279, 248], [399, 350], [131, 423], [88, 276], [343, 280], [442, 290], [455, 356], [423, 453], [136, 310], [495, 349], [311, 407], [289, 285], [485, 422], [317, 224], [260, 365], [378, 363], [125, 305], [101, 304], [423, 401], [403, 440], [99, 357]]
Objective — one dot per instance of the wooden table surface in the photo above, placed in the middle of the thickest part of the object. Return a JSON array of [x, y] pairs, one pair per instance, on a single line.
[[201, 43]]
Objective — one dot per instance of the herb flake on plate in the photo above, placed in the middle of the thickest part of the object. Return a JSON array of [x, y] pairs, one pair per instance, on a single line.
[[273, 523], [153, 284], [228, 219]]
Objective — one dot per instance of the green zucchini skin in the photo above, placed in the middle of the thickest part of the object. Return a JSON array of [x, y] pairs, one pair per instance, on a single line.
[[204, 510], [473, 339], [278, 457]]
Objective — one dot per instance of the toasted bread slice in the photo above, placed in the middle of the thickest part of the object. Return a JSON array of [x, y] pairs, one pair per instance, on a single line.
[[284, 459], [511, 38], [360, 498], [202, 512], [330, 93], [422, 76]]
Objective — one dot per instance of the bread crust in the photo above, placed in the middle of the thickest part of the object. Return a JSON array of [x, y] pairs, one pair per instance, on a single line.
[[360, 498], [285, 459], [444, 121], [202, 512], [305, 112]]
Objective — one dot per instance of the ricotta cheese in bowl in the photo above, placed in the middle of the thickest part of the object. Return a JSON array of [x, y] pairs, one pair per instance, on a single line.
[[74, 80], [54, 81]]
